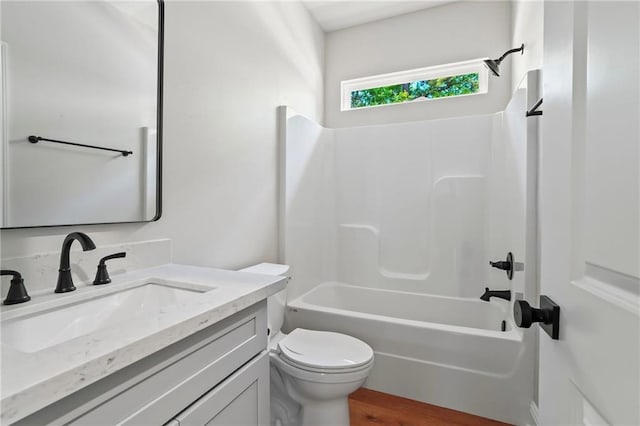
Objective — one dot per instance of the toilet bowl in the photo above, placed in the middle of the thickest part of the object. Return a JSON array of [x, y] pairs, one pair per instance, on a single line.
[[312, 372]]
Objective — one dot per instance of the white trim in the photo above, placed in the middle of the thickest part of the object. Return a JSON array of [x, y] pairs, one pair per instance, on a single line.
[[4, 160], [401, 77], [607, 291]]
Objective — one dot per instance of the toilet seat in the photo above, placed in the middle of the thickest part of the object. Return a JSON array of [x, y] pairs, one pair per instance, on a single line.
[[324, 351], [324, 371], [343, 376]]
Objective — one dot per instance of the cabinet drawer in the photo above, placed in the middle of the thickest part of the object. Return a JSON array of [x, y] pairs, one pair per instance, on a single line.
[[152, 390], [167, 392], [242, 400]]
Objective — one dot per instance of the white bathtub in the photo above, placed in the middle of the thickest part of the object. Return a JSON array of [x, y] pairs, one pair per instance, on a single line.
[[446, 351]]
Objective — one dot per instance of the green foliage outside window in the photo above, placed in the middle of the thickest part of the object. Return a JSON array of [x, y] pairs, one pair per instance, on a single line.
[[457, 85]]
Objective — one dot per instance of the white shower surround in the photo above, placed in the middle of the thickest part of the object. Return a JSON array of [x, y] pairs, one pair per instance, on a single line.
[[381, 224], [398, 206]]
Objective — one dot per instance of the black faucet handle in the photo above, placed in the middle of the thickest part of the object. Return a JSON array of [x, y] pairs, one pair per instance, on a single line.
[[501, 264], [113, 256], [15, 274], [102, 275], [17, 292], [506, 265]]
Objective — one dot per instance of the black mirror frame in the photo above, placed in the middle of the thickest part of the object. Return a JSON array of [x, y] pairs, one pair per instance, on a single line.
[[159, 138]]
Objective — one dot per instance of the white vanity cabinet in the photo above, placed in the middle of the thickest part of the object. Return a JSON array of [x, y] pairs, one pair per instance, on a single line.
[[240, 400], [217, 376]]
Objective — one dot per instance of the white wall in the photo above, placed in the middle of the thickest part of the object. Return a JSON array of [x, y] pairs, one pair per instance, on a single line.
[[228, 65], [450, 33], [528, 28], [512, 209]]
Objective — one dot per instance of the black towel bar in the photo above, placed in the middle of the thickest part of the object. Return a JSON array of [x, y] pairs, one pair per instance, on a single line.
[[36, 139]]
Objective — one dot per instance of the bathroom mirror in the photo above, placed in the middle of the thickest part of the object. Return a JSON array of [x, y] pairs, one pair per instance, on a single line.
[[81, 112]]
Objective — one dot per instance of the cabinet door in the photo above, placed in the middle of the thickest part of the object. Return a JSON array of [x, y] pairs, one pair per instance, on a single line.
[[242, 399]]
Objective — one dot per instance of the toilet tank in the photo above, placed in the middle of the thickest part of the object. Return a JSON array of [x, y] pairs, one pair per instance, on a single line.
[[275, 304]]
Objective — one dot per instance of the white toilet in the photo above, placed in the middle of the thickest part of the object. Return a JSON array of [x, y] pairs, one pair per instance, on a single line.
[[312, 372]]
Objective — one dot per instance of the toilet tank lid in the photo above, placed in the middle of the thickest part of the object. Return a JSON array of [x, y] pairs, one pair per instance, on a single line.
[[275, 269]]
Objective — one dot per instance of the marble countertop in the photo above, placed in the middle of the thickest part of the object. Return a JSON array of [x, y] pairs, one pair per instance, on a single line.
[[31, 381]]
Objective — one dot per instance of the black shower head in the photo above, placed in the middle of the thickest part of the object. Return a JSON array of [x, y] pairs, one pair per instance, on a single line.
[[494, 64]]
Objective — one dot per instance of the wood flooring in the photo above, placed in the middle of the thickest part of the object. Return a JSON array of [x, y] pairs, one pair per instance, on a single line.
[[371, 408]]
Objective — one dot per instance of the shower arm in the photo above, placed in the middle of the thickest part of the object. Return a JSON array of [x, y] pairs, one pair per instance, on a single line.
[[509, 52]]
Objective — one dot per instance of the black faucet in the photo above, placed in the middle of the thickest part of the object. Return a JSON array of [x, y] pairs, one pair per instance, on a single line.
[[502, 294], [65, 282], [17, 293]]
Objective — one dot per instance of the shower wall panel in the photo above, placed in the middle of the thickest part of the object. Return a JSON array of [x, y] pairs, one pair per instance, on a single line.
[[411, 205], [307, 208]]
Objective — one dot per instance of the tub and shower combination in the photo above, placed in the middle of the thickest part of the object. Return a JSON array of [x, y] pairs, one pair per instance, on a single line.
[[389, 231], [443, 350]]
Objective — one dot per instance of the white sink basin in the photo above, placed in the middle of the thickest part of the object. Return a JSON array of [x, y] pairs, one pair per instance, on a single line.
[[101, 310]]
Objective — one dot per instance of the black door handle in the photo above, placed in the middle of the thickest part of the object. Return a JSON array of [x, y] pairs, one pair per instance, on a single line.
[[548, 315]]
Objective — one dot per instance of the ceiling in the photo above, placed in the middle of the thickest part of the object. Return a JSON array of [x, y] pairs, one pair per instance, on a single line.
[[338, 14]]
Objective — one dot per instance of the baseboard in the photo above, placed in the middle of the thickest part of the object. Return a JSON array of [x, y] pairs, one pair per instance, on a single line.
[[533, 411]]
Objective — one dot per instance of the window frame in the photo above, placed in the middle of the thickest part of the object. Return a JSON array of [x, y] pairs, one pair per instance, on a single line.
[[417, 74]]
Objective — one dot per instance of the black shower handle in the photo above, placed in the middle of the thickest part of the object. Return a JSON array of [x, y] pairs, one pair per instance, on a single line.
[[506, 265]]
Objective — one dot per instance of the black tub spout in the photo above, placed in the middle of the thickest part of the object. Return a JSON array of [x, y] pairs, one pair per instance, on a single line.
[[502, 294]]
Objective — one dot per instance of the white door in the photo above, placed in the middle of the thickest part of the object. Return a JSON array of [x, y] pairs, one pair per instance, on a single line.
[[588, 201]]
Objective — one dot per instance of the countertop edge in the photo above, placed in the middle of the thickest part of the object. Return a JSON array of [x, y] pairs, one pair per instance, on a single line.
[[28, 401]]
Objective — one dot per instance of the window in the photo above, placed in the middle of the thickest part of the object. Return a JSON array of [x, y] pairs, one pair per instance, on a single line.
[[442, 81]]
